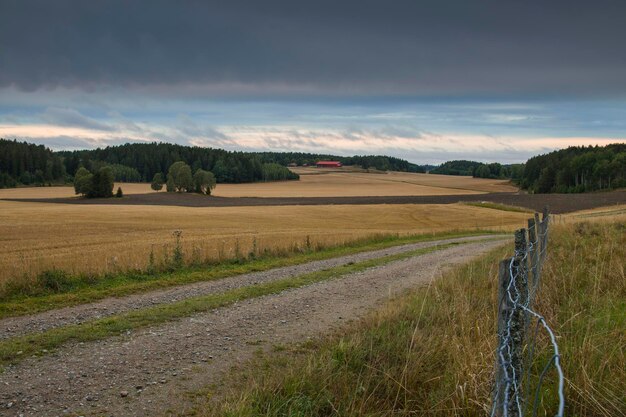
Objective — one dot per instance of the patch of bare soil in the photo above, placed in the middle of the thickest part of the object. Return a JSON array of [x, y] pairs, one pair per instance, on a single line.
[[154, 371], [558, 203]]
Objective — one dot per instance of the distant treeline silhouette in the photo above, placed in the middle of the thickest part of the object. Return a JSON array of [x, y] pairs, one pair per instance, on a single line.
[[576, 169]]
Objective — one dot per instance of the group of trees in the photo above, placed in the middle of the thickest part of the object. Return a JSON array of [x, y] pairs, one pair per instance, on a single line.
[[179, 179], [97, 185], [576, 169], [23, 163], [460, 167], [479, 169], [496, 170]]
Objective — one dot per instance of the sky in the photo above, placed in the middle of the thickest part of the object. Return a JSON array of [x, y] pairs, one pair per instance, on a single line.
[[428, 81]]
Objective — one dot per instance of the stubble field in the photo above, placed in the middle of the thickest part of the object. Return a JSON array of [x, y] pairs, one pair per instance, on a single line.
[[100, 238], [316, 182]]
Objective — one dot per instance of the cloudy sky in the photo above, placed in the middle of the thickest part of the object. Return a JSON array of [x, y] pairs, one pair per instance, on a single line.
[[428, 81]]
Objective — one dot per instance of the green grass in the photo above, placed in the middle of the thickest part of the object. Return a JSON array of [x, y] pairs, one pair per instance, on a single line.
[[497, 206], [56, 289], [12, 350], [431, 353]]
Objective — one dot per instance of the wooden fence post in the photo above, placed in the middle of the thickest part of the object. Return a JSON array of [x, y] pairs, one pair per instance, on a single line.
[[505, 307], [533, 254]]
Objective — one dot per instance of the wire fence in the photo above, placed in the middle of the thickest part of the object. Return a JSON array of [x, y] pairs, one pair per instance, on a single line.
[[519, 278]]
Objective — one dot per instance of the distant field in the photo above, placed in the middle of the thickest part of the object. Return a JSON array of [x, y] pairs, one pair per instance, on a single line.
[[63, 192], [316, 182], [100, 238]]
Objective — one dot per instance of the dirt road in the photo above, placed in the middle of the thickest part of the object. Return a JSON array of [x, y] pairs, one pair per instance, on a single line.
[[153, 371]]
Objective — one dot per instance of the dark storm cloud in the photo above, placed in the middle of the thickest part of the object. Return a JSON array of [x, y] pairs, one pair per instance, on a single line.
[[436, 47]]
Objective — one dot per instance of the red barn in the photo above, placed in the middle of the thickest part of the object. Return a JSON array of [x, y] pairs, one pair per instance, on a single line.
[[329, 164]]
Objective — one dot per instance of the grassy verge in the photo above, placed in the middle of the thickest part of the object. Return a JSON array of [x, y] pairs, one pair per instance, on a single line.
[[59, 290], [497, 206], [12, 350], [432, 353]]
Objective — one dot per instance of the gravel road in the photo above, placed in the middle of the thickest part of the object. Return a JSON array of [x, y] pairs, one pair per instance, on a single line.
[[154, 371], [16, 326]]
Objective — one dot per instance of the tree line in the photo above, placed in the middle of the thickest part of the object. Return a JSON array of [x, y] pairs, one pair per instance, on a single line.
[[576, 169], [476, 169], [379, 162], [28, 164], [148, 159]]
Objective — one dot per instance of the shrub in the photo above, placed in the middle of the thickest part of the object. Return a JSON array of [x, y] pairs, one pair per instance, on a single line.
[[54, 280]]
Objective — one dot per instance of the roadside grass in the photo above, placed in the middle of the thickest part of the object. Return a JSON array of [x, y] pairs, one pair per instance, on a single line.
[[14, 349], [56, 289], [432, 352], [498, 206]]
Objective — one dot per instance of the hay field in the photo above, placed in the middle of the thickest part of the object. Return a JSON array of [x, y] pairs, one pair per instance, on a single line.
[[100, 238], [316, 182]]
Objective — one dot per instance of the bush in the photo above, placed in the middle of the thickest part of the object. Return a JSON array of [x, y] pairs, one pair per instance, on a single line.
[[119, 193], [54, 280]]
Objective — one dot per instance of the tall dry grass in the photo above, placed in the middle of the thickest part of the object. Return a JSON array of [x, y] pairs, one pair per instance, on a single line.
[[432, 353]]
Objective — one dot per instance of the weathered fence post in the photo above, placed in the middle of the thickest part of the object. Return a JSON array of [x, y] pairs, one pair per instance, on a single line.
[[545, 218], [512, 292], [504, 310], [533, 255]]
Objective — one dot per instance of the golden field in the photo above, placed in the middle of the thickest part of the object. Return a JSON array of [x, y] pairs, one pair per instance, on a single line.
[[317, 182], [100, 238]]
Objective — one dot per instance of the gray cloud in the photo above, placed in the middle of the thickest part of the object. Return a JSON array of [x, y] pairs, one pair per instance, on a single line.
[[433, 47], [70, 117]]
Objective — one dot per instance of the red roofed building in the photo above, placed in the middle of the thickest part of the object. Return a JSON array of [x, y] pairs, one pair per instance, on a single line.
[[329, 164]]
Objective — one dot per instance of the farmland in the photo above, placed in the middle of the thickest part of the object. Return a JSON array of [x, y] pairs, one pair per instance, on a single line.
[[98, 238], [153, 262], [316, 183]]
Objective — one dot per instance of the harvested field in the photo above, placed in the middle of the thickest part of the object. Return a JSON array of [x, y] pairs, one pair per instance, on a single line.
[[100, 238], [67, 191], [317, 182], [558, 203], [323, 183]]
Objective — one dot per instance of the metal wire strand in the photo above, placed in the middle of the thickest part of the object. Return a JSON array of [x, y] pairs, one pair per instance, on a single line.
[[508, 387]]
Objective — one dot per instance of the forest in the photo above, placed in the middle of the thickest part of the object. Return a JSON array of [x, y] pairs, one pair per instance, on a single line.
[[22, 163], [476, 169], [379, 162], [576, 169], [28, 164]]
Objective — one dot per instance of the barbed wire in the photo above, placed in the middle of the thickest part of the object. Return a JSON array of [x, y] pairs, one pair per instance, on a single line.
[[519, 295]]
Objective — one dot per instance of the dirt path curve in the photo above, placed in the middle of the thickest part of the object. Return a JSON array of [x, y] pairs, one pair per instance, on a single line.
[[153, 371], [16, 326]]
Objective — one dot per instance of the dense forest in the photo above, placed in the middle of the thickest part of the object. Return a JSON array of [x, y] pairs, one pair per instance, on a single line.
[[576, 169], [480, 170], [28, 164], [461, 167], [382, 163], [148, 159]]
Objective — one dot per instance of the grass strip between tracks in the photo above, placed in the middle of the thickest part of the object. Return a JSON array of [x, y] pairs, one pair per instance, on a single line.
[[15, 349]]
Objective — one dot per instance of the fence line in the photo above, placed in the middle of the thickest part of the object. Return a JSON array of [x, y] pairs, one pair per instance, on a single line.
[[519, 278]]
